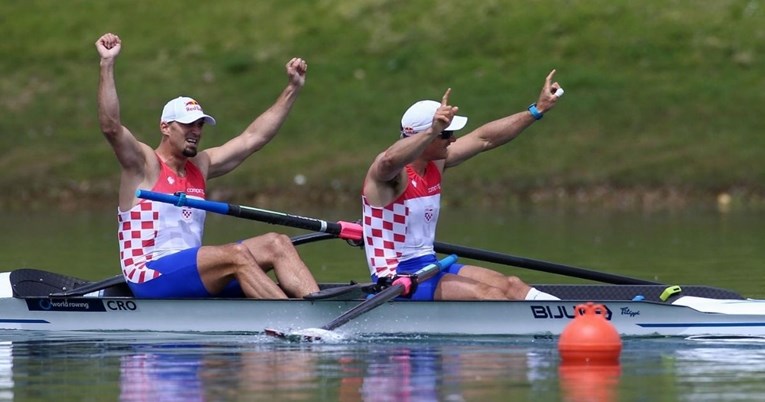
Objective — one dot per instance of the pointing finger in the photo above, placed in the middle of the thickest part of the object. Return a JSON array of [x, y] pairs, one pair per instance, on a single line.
[[445, 98], [549, 78]]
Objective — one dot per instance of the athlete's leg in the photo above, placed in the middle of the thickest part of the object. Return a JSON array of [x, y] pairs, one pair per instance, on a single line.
[[219, 265], [276, 251], [513, 287], [468, 282], [458, 287]]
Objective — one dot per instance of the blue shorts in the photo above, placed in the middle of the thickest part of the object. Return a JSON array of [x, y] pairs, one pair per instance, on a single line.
[[425, 290], [180, 279]]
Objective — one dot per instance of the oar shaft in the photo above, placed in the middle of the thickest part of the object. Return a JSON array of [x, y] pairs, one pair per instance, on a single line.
[[279, 218], [537, 265], [390, 293], [365, 306]]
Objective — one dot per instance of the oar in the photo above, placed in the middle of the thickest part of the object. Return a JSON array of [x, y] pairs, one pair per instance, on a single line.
[[353, 231], [311, 237], [537, 265], [401, 286]]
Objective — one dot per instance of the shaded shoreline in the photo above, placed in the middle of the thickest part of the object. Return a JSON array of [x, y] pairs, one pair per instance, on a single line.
[[645, 199]]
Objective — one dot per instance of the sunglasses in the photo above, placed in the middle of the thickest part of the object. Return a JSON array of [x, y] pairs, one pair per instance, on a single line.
[[445, 135]]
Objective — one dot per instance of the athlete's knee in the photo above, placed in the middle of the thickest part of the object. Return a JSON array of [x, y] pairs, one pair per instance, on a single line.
[[515, 282], [277, 244], [282, 241], [518, 289], [241, 256]]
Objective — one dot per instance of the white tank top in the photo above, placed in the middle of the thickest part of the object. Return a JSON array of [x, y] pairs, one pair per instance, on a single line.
[[406, 228], [151, 230]]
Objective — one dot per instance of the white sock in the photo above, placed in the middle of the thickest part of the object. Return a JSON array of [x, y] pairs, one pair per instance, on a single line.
[[535, 294]]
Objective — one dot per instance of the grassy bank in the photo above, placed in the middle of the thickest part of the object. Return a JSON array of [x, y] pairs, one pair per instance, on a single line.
[[663, 98]]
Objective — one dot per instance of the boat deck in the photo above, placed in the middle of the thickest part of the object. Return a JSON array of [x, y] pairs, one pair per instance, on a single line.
[[28, 283]]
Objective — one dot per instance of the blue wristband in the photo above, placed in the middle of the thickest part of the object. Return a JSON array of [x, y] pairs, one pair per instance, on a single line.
[[535, 112]]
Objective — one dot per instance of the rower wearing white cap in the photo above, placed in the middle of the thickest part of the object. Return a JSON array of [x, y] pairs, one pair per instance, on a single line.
[[401, 197], [161, 249]]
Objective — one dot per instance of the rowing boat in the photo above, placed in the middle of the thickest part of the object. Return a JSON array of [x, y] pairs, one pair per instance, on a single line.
[[38, 300], [32, 299]]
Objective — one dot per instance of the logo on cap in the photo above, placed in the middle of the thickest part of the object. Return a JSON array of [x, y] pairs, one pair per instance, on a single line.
[[192, 105]]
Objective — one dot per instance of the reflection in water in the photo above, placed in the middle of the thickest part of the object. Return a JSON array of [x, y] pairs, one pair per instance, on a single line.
[[721, 372], [369, 373], [6, 371], [440, 373], [185, 372], [584, 383], [401, 374], [131, 367], [268, 372], [160, 377]]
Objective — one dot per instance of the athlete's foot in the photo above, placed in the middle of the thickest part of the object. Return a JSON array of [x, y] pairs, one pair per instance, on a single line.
[[535, 294]]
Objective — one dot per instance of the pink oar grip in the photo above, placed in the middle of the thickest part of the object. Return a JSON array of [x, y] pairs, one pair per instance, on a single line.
[[350, 231]]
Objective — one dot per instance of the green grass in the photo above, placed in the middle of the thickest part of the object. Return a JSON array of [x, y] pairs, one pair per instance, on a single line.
[[659, 93]]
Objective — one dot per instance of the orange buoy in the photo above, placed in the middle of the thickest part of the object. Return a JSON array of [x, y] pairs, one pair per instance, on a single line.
[[590, 338]]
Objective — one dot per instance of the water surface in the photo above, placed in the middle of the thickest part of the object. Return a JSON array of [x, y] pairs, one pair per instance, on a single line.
[[174, 367], [693, 246]]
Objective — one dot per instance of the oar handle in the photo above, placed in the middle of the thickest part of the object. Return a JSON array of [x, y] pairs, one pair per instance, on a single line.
[[427, 272], [423, 274], [182, 200]]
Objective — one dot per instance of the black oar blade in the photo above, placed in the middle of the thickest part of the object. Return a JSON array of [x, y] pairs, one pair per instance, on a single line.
[[275, 333], [289, 337], [305, 335]]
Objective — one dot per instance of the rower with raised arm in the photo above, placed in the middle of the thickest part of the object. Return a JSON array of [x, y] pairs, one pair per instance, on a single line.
[[161, 249], [401, 197]]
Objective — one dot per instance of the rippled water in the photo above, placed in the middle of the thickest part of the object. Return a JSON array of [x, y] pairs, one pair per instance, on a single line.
[[174, 367]]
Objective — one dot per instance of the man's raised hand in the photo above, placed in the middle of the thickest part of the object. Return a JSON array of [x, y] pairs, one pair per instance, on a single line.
[[296, 71], [444, 114], [109, 46]]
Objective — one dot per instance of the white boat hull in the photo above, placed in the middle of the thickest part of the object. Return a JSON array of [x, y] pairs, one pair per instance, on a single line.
[[26, 304], [630, 318]]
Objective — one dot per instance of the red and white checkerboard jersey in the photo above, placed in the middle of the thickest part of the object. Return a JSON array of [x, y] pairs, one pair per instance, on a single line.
[[406, 228], [151, 230]]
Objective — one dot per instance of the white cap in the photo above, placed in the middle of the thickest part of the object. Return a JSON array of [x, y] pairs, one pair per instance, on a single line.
[[185, 110], [419, 117]]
